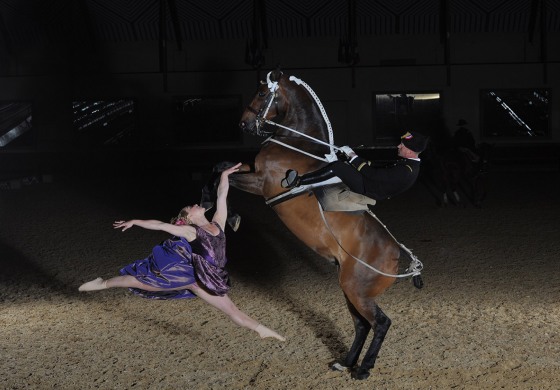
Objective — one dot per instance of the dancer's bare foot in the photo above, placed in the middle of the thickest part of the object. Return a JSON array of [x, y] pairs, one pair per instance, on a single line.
[[94, 285], [264, 332]]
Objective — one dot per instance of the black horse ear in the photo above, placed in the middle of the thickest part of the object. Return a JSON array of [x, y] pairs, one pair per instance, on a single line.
[[275, 74]]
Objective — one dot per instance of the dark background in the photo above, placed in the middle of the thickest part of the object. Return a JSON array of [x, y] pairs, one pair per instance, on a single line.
[[190, 67]]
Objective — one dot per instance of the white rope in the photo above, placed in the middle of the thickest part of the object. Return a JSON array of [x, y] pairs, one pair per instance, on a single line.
[[302, 134], [273, 86], [415, 266], [319, 104], [296, 149]]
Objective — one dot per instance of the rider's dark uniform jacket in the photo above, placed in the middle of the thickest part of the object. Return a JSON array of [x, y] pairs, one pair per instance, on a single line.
[[389, 180]]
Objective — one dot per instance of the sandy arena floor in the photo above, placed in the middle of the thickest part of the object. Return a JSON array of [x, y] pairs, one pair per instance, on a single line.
[[487, 317]]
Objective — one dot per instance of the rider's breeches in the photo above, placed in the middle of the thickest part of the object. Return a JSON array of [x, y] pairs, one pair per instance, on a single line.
[[347, 173]]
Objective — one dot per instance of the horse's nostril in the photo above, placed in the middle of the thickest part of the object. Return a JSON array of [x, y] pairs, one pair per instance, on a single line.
[[242, 125]]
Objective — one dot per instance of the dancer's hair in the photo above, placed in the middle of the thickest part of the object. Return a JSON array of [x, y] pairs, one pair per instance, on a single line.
[[181, 219]]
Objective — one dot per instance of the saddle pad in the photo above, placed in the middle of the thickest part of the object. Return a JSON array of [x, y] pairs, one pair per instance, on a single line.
[[338, 197]]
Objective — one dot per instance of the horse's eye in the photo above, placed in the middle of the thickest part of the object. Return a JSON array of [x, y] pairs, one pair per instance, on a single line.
[[262, 93]]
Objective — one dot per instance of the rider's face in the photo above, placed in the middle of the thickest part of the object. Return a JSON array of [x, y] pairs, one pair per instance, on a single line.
[[405, 152], [401, 150]]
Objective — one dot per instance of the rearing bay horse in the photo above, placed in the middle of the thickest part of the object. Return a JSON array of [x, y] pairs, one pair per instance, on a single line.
[[366, 254]]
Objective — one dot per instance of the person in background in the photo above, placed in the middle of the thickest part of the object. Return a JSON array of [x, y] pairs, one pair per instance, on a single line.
[[463, 141]]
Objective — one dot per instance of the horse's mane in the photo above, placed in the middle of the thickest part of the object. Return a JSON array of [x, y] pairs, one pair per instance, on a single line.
[[294, 83], [319, 105]]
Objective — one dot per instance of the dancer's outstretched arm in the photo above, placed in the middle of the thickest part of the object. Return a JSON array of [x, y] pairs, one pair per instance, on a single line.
[[220, 216], [187, 231]]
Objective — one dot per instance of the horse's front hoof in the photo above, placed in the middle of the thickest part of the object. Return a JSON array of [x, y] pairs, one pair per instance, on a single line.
[[360, 374]]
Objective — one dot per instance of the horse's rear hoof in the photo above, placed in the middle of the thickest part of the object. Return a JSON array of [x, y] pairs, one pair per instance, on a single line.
[[417, 281], [360, 374]]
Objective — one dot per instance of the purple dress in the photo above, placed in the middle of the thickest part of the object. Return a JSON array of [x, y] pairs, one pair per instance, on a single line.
[[176, 263]]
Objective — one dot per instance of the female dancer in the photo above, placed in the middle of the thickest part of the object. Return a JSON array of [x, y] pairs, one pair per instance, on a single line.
[[189, 264]]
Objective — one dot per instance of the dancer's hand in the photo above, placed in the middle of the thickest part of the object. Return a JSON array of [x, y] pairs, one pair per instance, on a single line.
[[231, 170], [220, 216], [123, 224]]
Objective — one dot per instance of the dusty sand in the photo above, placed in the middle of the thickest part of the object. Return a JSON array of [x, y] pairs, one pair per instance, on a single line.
[[487, 317]]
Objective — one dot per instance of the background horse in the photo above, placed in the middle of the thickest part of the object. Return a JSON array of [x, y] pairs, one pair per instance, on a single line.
[[458, 174], [285, 103]]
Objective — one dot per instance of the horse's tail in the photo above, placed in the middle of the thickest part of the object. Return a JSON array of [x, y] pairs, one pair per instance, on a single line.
[[406, 254]]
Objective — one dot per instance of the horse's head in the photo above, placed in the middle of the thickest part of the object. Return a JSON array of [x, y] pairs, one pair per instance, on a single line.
[[264, 106], [287, 108]]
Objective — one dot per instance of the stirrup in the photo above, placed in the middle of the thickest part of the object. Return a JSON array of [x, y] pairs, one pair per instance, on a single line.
[[291, 179]]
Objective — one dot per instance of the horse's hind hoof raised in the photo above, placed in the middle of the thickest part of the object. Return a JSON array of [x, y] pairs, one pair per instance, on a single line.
[[360, 374], [417, 281]]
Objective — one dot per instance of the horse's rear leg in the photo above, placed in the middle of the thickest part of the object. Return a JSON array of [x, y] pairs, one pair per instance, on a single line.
[[382, 324]]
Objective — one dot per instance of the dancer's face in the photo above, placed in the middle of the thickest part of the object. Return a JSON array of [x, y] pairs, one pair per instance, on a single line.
[[194, 211]]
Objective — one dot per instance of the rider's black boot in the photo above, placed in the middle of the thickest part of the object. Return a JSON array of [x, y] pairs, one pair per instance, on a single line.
[[293, 180]]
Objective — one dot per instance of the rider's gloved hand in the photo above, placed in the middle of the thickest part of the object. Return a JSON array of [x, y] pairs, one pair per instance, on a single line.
[[347, 150], [341, 156]]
